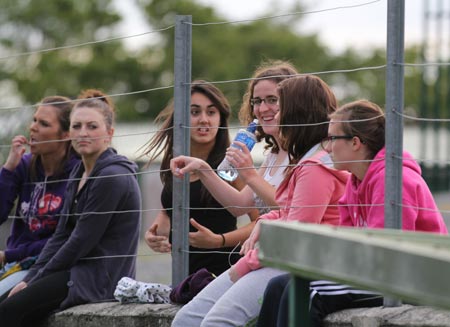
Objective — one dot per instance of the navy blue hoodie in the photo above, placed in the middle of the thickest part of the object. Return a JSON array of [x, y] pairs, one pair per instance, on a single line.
[[39, 203], [102, 220]]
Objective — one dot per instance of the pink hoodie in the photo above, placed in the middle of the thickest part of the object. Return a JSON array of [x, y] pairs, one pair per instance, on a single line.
[[304, 197], [370, 190]]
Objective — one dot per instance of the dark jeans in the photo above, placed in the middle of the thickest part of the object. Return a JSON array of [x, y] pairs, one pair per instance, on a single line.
[[35, 302]]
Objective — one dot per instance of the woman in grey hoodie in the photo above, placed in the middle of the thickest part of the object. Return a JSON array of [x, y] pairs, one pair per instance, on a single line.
[[96, 239]]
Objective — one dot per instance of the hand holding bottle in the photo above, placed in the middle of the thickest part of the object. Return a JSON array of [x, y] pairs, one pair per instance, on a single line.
[[240, 158], [245, 136]]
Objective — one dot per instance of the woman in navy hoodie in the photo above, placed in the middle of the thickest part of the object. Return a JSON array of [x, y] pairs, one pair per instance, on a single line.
[[96, 240], [38, 181]]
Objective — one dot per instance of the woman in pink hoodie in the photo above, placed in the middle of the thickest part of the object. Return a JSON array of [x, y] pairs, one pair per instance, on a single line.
[[359, 148], [356, 143], [308, 193]]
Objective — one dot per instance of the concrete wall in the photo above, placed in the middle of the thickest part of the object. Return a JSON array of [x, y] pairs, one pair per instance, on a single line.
[[405, 315], [113, 314]]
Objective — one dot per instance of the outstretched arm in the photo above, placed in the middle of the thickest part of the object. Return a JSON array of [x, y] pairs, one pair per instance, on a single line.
[[235, 201]]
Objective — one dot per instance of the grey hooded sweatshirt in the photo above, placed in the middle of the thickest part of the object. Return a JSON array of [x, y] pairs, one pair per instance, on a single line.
[[97, 235]]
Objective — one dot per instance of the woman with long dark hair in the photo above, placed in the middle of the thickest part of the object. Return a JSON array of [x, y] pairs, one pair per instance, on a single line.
[[209, 139], [38, 180]]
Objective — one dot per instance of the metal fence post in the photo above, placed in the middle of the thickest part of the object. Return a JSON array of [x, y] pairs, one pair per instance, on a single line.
[[299, 315], [394, 120], [181, 146]]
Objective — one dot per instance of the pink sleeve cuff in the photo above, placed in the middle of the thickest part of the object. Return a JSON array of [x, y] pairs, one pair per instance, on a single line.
[[248, 263]]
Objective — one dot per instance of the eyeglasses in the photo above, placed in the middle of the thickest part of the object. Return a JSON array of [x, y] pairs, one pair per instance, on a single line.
[[269, 101], [326, 141]]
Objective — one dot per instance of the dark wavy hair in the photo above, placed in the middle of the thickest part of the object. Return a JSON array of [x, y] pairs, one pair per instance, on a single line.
[[162, 142]]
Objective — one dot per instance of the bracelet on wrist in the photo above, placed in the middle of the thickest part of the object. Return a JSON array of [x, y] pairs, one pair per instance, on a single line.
[[223, 240]]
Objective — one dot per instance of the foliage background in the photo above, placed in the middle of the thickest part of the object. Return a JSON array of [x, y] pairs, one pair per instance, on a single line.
[[219, 52]]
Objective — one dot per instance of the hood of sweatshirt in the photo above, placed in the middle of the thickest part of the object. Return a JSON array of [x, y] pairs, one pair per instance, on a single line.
[[107, 158], [110, 157], [320, 155], [377, 167], [73, 160]]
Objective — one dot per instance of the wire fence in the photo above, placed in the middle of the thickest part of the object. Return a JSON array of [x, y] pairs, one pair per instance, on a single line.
[[423, 65]]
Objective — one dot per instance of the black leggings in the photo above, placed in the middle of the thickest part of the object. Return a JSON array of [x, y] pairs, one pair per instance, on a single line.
[[327, 297], [34, 302]]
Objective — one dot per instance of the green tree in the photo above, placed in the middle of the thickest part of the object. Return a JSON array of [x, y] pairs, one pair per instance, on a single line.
[[232, 51], [229, 51], [29, 26], [221, 52]]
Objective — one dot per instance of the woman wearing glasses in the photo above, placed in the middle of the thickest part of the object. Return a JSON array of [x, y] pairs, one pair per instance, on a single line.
[[261, 102], [358, 147], [355, 142], [308, 193]]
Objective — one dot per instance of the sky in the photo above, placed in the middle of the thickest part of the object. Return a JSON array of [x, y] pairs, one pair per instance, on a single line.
[[358, 27]]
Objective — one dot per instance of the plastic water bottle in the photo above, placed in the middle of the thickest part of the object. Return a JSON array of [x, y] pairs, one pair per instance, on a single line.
[[246, 136]]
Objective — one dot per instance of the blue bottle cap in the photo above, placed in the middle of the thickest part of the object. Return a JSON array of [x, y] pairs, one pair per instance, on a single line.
[[252, 126]]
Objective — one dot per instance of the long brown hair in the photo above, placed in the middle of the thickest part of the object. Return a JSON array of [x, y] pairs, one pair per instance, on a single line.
[[304, 100], [63, 107], [271, 70]]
